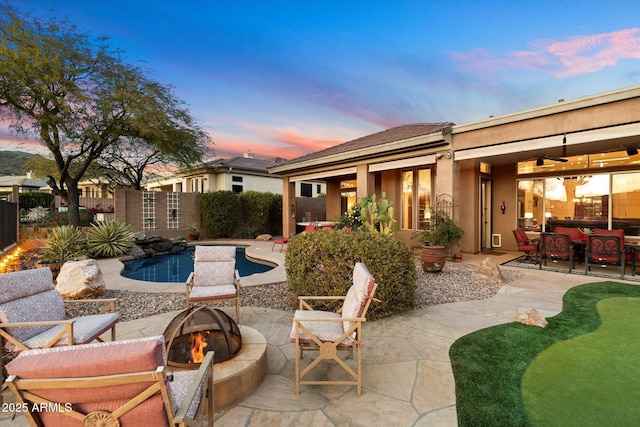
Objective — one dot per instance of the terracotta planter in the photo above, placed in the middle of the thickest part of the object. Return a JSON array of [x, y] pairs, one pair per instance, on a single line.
[[433, 258], [194, 235], [457, 257]]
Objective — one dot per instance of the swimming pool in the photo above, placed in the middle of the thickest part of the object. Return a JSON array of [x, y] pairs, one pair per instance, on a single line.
[[177, 266]]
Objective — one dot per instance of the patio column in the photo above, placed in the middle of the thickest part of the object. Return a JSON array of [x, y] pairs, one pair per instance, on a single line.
[[365, 184], [288, 207]]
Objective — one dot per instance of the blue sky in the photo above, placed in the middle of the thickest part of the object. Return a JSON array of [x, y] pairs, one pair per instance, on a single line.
[[285, 78]]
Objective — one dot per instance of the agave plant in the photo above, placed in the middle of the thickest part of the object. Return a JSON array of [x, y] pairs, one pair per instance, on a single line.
[[109, 238], [64, 243]]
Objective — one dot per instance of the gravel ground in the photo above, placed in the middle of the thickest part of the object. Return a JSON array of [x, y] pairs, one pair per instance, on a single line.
[[453, 284]]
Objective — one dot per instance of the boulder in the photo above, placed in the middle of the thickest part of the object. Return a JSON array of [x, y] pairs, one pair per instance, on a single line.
[[533, 318], [264, 237], [80, 279], [488, 271]]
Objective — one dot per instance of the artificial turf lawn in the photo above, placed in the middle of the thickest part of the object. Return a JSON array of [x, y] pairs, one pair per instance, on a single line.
[[489, 364], [591, 379]]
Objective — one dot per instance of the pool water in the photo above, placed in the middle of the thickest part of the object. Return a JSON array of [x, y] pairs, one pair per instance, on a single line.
[[176, 267]]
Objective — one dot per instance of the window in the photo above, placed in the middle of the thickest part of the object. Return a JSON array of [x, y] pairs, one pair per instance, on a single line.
[[416, 186], [348, 197], [236, 189], [585, 201], [236, 178], [318, 189], [306, 190]]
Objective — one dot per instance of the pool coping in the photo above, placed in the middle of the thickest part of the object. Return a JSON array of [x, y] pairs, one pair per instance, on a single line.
[[257, 249]]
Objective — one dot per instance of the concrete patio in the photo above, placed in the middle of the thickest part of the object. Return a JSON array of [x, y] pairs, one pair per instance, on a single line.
[[407, 374]]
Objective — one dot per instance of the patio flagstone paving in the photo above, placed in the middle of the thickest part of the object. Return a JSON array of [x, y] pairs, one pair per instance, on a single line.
[[407, 378]]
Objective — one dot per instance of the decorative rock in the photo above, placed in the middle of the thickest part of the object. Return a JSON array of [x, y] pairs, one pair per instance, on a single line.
[[533, 318], [488, 271], [264, 237], [80, 279]]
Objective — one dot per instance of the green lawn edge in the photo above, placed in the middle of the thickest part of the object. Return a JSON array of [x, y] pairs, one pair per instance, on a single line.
[[488, 364]]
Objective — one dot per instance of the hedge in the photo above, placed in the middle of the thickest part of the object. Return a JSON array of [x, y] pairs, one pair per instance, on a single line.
[[321, 263]]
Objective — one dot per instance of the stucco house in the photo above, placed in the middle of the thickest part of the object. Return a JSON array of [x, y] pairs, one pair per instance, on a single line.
[[573, 162], [237, 174], [25, 183]]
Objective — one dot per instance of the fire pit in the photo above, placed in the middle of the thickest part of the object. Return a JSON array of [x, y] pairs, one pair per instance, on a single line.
[[194, 332]]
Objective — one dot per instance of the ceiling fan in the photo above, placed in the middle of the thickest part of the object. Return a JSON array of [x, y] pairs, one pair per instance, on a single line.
[[540, 158]]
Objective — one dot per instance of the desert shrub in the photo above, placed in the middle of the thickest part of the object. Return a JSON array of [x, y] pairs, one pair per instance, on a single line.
[[64, 243], [109, 239], [219, 212], [321, 263]]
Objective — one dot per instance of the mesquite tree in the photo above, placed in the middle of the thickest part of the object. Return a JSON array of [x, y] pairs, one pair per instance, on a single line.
[[78, 97]]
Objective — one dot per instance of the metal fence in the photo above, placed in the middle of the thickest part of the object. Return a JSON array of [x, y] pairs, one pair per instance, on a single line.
[[8, 223]]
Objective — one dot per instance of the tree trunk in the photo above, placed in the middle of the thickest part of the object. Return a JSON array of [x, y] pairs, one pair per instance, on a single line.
[[73, 202]]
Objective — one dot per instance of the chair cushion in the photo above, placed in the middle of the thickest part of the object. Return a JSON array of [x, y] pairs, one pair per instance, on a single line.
[[215, 253], [574, 233], [116, 357], [199, 293], [178, 388], [85, 330], [325, 331], [24, 283], [41, 307], [357, 294], [214, 273], [615, 232]]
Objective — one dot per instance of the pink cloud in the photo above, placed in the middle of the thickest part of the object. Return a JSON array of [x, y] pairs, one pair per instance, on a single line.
[[575, 55], [268, 142]]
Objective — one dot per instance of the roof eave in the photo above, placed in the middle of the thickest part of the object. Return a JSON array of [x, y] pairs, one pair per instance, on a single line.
[[547, 110], [435, 138]]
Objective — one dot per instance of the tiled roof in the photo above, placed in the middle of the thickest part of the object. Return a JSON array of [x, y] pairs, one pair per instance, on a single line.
[[22, 180], [397, 133], [244, 163]]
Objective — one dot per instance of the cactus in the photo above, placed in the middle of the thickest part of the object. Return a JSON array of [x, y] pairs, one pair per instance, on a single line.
[[378, 215]]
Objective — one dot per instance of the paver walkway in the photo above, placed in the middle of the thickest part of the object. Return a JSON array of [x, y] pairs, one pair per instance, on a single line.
[[407, 379]]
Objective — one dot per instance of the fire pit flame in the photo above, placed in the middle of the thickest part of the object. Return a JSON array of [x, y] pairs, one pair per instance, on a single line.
[[197, 331], [198, 344]]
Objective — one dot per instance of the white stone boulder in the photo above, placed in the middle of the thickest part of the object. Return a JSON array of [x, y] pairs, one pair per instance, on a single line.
[[80, 279]]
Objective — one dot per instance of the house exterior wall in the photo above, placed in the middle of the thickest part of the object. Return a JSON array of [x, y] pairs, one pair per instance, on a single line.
[[589, 125]]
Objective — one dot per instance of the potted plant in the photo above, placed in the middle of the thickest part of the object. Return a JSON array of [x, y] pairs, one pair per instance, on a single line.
[[441, 234], [194, 234]]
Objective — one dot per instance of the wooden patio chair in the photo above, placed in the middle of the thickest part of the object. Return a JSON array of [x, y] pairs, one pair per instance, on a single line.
[[605, 247], [556, 246], [33, 315], [119, 383], [330, 332], [215, 277]]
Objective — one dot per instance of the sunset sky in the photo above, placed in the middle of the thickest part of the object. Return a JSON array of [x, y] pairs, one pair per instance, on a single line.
[[285, 78]]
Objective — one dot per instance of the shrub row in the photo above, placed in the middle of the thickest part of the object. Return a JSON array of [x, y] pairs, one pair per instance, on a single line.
[[244, 215], [321, 263], [33, 199]]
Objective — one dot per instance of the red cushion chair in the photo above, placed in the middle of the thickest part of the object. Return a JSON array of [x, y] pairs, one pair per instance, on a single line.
[[526, 245], [556, 246], [605, 247]]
